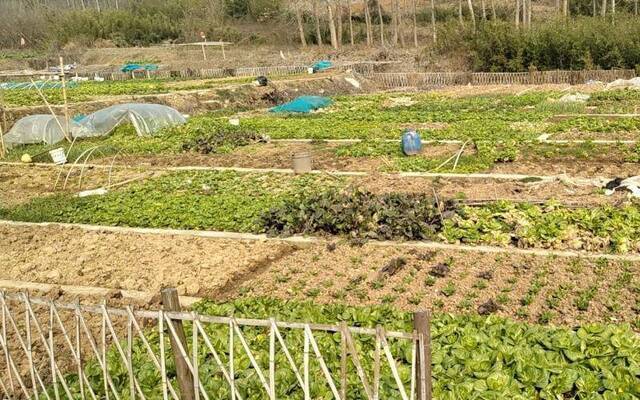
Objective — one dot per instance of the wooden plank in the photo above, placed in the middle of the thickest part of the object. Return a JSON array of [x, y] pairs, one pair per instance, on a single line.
[[422, 326]]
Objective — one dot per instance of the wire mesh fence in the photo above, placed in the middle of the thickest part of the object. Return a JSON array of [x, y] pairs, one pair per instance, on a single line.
[[53, 350]]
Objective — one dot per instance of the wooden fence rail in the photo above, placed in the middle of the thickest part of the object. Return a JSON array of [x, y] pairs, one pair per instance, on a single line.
[[46, 346]]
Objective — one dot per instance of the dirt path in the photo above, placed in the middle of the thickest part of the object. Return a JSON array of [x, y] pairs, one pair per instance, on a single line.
[[221, 269]]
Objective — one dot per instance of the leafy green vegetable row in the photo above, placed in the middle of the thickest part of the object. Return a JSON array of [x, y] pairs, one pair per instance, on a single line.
[[472, 357], [313, 204]]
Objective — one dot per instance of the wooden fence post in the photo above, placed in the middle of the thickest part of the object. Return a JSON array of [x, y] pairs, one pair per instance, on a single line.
[[422, 326], [171, 302]]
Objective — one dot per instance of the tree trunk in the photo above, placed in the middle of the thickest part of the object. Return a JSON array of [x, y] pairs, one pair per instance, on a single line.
[[433, 21], [593, 5], [603, 10], [529, 12], [400, 26], [517, 13], [332, 27], [317, 21], [484, 10], [367, 20], [635, 7], [565, 8], [415, 23], [473, 15], [351, 22], [98, 5], [460, 13], [493, 10], [394, 20], [303, 39], [339, 17], [381, 23]]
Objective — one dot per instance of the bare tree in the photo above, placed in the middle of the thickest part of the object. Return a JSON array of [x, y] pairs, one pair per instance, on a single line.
[[517, 13], [565, 8], [339, 17], [332, 26], [529, 12], [381, 23], [433, 21], [635, 7], [493, 10], [316, 17], [367, 20], [394, 21], [415, 23], [484, 10], [399, 12], [473, 15], [460, 19], [603, 10], [351, 22], [298, 11]]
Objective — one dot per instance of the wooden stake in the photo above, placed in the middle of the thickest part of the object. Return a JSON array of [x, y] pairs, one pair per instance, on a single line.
[[421, 324], [171, 302], [224, 56]]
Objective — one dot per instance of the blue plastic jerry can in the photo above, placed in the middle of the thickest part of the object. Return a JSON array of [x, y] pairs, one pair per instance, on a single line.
[[411, 142]]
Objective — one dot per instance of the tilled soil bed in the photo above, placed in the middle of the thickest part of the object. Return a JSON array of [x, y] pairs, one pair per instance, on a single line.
[[566, 291]]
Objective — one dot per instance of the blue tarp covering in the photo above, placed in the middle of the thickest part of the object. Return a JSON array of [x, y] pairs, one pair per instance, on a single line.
[[322, 65], [303, 104], [139, 67]]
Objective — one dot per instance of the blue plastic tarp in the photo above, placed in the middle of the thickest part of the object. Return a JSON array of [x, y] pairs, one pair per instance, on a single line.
[[139, 67], [303, 104], [322, 65]]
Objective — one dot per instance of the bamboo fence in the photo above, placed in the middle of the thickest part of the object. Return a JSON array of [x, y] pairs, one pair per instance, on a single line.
[[42, 342]]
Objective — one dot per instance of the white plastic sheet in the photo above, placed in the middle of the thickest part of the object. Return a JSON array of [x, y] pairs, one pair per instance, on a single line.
[[41, 128], [146, 118]]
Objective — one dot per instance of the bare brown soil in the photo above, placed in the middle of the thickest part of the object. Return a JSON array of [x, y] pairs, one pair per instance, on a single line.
[[221, 269]]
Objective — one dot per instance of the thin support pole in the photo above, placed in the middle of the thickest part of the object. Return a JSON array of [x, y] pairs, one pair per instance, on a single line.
[[305, 367], [232, 372], [376, 366], [163, 362], [67, 134], [272, 359], [343, 360], [54, 378], [194, 349]]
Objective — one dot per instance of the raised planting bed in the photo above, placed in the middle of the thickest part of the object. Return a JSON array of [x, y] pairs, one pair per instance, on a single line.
[[322, 204]]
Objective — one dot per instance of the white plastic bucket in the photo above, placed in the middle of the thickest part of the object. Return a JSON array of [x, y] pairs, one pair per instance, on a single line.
[[310, 70], [234, 121], [58, 156], [302, 163]]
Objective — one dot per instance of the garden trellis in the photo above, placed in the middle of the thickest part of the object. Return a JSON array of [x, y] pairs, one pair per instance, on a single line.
[[46, 346]]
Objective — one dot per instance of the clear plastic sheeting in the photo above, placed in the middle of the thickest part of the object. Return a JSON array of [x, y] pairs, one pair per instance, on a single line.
[[147, 119], [37, 129]]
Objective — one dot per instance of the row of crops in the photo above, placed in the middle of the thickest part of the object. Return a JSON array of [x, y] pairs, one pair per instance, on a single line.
[[318, 205], [473, 357], [500, 128]]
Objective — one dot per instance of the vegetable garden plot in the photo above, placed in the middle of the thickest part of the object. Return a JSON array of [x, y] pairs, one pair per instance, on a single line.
[[317, 204], [535, 289], [538, 361]]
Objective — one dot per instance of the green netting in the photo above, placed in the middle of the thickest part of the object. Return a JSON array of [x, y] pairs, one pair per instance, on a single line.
[[303, 104]]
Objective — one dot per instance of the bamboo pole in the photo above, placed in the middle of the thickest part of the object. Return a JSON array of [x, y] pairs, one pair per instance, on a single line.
[[171, 302], [64, 98]]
